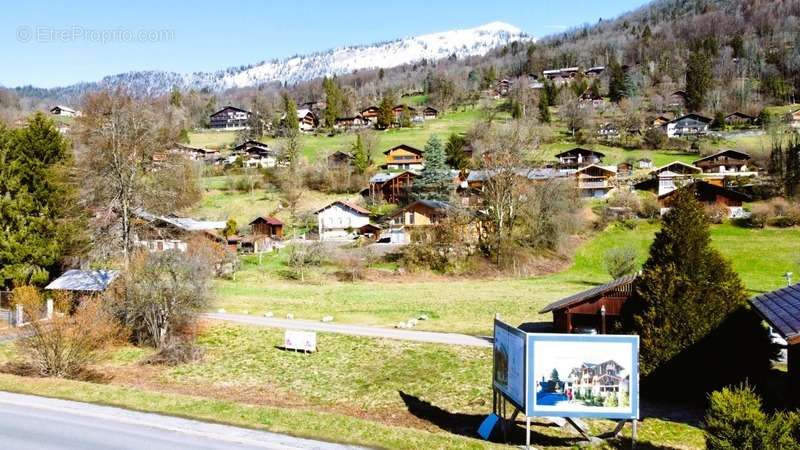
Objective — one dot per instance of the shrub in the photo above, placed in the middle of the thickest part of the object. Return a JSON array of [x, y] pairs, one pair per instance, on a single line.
[[734, 420], [302, 256], [178, 351], [760, 214], [649, 208], [66, 345], [716, 213], [620, 261], [655, 138]]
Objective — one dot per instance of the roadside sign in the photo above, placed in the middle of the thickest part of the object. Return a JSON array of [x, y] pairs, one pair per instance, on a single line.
[[305, 341]]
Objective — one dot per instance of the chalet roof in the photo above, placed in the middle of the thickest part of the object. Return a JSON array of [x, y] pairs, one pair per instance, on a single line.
[[183, 223], [304, 112], [580, 151], [268, 219], [734, 154], [250, 144], [588, 294], [703, 187], [401, 107], [595, 69], [63, 108], [84, 280], [531, 174], [339, 153], [694, 116], [369, 108], [781, 308], [351, 206], [678, 163], [383, 177], [611, 169], [740, 114], [430, 108], [230, 107], [195, 149], [404, 147], [435, 205], [680, 93]]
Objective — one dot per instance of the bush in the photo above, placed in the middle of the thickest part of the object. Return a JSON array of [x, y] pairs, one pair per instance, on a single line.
[[655, 138], [735, 420], [620, 261], [716, 213], [760, 214], [179, 351], [302, 256], [649, 208], [66, 345]]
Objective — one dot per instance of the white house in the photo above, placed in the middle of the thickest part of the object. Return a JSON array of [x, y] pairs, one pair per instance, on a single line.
[[688, 125], [340, 221]]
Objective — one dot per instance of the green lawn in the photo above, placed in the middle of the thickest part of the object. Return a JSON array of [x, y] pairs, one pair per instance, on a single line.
[[212, 139], [616, 155], [468, 305]]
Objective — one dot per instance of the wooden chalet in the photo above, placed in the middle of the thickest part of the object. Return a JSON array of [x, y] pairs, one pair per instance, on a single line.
[[391, 187], [339, 220], [711, 194], [340, 159], [561, 76], [595, 181], [399, 110], [421, 213], [430, 113], [690, 125], [266, 226], [350, 123], [590, 98], [229, 117], [739, 119], [194, 153], [503, 87], [596, 310], [781, 310], [668, 177], [370, 113], [307, 120], [404, 157], [660, 121], [63, 111], [608, 131], [725, 162], [579, 157]]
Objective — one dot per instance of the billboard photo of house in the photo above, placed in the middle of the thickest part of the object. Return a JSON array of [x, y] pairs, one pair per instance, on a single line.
[[583, 376]]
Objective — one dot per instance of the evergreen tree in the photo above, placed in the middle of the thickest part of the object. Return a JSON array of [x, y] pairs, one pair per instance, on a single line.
[[360, 155], [617, 82], [175, 97], [38, 219], [544, 107], [454, 151], [435, 182], [686, 288], [385, 113], [291, 123], [698, 78], [554, 375], [333, 101]]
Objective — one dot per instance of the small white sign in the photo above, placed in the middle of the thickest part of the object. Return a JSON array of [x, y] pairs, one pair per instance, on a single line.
[[300, 340]]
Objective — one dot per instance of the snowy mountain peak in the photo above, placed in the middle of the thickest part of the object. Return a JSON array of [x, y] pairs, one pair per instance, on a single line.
[[337, 61]]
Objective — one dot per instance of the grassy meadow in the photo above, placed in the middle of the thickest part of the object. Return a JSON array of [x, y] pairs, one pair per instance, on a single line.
[[466, 305]]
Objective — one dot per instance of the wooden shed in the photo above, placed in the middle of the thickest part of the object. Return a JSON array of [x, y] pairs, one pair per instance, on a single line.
[[266, 226], [593, 310]]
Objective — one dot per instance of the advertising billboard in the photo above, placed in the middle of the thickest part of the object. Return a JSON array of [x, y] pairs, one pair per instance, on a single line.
[[573, 375], [509, 362]]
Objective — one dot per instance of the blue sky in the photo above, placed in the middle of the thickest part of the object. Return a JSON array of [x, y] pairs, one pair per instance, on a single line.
[[57, 43]]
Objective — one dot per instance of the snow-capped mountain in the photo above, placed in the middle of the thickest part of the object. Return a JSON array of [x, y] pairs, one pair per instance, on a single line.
[[466, 42]]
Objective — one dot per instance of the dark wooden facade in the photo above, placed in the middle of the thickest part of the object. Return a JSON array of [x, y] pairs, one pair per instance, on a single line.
[[266, 226], [395, 189], [596, 309]]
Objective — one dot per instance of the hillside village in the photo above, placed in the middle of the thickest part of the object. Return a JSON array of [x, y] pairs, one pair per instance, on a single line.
[[329, 258]]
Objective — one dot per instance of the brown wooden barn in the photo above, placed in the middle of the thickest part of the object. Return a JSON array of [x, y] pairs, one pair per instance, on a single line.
[[266, 226], [592, 311]]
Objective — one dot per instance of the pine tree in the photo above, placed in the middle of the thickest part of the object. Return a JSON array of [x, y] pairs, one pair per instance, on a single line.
[[385, 113], [333, 101], [435, 182], [360, 156], [617, 82], [454, 151], [38, 218], [544, 107], [686, 288], [698, 78], [291, 123]]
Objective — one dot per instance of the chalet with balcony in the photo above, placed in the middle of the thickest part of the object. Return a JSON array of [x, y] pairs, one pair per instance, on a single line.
[[307, 120], [399, 110], [589, 98], [608, 131], [404, 157], [739, 119], [194, 153], [340, 220], [430, 113], [229, 118], [660, 121], [162, 233], [254, 154], [595, 181], [421, 213], [561, 76], [669, 177], [370, 114], [710, 194], [350, 123], [690, 125], [391, 187], [725, 162], [579, 157], [596, 310]]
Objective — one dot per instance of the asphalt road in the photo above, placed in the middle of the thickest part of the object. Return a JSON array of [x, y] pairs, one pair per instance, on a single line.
[[353, 330], [37, 423]]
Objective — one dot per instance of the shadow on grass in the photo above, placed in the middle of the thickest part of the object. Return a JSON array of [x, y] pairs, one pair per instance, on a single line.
[[467, 425]]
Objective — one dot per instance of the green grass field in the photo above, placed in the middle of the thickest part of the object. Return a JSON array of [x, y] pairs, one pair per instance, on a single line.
[[464, 305]]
